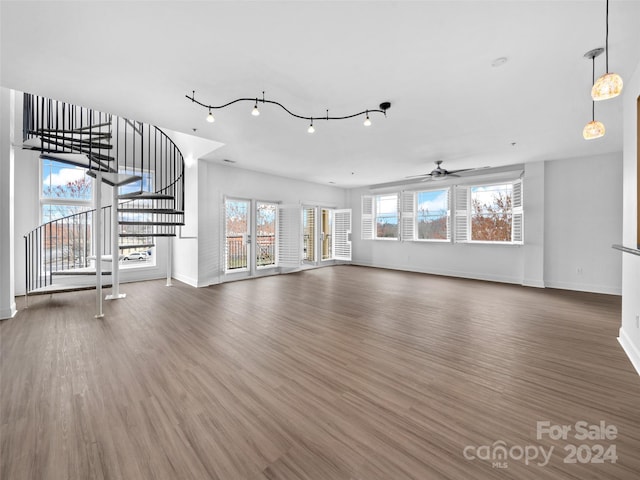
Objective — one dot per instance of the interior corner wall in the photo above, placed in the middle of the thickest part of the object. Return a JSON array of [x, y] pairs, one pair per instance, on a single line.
[[7, 199], [185, 243], [217, 181], [583, 205], [630, 328]]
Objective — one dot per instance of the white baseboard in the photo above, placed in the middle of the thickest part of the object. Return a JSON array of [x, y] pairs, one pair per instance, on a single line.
[[585, 287], [446, 273], [10, 312], [185, 279], [630, 349]]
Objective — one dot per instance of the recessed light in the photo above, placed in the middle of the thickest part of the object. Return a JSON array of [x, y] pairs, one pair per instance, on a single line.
[[499, 61]]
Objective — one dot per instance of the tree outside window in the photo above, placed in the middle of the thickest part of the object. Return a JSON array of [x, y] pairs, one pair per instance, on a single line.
[[492, 213]]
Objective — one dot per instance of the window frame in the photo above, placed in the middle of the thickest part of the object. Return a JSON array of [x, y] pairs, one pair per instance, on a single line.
[[61, 201], [397, 216], [415, 218], [466, 213]]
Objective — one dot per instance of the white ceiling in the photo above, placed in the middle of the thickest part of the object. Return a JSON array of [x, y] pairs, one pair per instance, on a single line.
[[431, 60]]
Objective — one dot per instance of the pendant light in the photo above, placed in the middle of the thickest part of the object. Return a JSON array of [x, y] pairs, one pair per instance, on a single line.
[[210, 118], [608, 85], [255, 112], [593, 129], [311, 129]]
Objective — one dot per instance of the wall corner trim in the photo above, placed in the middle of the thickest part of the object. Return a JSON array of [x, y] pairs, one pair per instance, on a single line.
[[630, 349]]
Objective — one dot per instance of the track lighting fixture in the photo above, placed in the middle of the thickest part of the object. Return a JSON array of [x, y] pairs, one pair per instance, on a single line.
[[593, 129], [367, 121], [255, 112], [383, 107], [608, 85], [210, 118]]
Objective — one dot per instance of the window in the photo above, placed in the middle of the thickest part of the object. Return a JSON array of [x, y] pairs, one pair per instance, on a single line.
[[380, 216], [65, 190], [386, 216], [424, 216], [489, 213]]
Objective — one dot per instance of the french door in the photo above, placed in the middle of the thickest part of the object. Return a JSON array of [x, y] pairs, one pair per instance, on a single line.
[[250, 228], [326, 234]]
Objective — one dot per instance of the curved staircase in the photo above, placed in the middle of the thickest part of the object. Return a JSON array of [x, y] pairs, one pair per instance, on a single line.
[[139, 161]]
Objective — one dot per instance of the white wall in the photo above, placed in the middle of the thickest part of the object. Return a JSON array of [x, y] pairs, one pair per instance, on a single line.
[[630, 329], [7, 217], [553, 249], [583, 203], [215, 181]]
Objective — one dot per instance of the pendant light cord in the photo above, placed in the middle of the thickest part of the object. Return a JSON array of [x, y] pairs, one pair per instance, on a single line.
[[593, 79], [606, 40]]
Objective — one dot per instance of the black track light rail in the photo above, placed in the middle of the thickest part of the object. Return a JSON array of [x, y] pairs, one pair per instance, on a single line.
[[384, 106]]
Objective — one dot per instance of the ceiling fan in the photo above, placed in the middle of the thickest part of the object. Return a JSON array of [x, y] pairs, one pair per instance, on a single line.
[[440, 173]]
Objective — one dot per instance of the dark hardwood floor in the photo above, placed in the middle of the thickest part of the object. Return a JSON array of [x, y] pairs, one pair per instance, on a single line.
[[337, 373]]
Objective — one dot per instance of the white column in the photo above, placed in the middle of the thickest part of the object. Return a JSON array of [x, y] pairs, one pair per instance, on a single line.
[[7, 138], [169, 260], [97, 231], [115, 251]]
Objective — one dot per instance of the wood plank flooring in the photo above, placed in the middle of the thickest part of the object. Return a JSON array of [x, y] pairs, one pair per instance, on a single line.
[[345, 373]]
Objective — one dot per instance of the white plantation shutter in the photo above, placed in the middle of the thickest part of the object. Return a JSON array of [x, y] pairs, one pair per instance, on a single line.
[[289, 236], [517, 223], [367, 217], [407, 216], [449, 195], [341, 235], [461, 218]]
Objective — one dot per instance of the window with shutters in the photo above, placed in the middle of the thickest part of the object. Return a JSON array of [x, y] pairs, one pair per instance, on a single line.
[[489, 213]]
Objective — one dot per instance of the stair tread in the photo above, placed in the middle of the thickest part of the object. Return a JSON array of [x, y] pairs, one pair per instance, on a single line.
[[50, 289], [136, 245], [116, 179], [150, 210], [146, 196], [77, 159]]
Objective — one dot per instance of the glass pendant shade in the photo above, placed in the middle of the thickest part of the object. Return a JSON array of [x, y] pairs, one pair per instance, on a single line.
[[607, 86], [255, 112], [593, 129], [210, 118]]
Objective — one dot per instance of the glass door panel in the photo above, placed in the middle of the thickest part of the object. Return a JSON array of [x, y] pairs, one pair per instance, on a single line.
[[325, 223], [237, 234], [309, 234], [266, 215]]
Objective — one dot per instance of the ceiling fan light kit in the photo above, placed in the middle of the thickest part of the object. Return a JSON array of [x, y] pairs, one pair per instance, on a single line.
[[383, 107]]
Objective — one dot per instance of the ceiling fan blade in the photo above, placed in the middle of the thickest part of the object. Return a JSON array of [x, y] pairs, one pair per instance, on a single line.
[[461, 170], [419, 176]]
